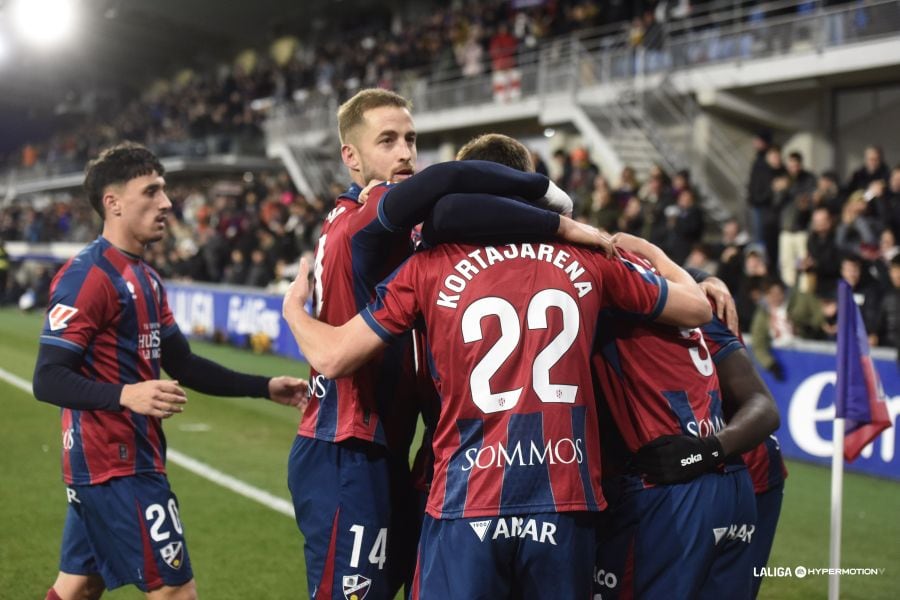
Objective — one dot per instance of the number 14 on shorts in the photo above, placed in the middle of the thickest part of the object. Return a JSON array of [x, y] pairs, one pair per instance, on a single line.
[[378, 552]]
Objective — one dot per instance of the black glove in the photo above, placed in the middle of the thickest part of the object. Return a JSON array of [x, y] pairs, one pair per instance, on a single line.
[[777, 371], [678, 458]]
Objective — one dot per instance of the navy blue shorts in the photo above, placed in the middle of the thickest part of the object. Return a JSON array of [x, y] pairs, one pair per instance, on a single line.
[[690, 540], [768, 509], [346, 496], [128, 531], [527, 556]]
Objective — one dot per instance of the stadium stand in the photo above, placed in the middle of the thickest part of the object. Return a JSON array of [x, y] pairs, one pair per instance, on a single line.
[[640, 125]]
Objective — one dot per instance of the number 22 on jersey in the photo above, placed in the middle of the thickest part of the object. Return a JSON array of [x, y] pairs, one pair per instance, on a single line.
[[510, 336]]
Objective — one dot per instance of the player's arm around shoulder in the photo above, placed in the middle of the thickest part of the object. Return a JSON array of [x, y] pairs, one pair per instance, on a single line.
[[332, 351], [685, 303]]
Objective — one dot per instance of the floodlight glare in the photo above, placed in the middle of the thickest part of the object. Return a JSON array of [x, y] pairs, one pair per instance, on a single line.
[[43, 22]]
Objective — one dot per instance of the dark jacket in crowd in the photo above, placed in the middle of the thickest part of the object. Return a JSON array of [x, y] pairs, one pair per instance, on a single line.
[[827, 257], [759, 190], [861, 177], [888, 326]]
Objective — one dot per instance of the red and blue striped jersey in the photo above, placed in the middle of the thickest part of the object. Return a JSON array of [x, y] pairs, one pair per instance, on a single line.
[[356, 250], [109, 307], [654, 380], [510, 331], [765, 463]]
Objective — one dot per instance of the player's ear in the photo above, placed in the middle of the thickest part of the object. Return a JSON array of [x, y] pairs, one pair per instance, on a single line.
[[350, 156], [111, 204]]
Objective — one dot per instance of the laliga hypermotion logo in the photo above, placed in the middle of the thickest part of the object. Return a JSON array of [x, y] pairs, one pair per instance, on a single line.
[[356, 587]]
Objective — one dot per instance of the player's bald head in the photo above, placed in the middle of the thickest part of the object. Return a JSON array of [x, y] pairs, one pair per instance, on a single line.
[[498, 148], [351, 114]]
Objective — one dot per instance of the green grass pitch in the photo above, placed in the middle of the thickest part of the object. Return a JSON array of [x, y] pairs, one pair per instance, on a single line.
[[242, 549]]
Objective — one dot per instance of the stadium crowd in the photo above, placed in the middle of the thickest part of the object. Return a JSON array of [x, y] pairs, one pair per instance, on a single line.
[[805, 230], [207, 110]]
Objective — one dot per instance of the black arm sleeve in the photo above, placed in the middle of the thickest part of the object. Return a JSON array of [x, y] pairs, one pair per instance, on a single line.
[[487, 218], [410, 201], [57, 380], [205, 375]]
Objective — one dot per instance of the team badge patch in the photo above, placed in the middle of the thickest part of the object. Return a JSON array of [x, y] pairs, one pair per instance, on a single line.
[[59, 316], [480, 528], [356, 587], [173, 554]]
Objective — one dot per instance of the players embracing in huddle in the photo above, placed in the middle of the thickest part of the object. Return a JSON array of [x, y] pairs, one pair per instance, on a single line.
[[557, 367]]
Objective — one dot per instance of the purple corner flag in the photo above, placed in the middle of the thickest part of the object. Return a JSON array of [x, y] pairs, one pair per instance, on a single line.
[[860, 397]]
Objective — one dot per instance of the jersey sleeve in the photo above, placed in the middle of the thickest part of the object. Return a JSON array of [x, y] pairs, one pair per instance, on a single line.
[[395, 307], [719, 339], [81, 302], [631, 288], [411, 201], [487, 219]]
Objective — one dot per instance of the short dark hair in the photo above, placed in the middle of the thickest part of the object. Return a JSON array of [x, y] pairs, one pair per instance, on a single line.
[[498, 148], [771, 282], [796, 156], [117, 165], [852, 257]]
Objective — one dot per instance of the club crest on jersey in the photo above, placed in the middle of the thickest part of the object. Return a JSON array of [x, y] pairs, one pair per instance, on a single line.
[[480, 528], [356, 587], [173, 554], [59, 316]]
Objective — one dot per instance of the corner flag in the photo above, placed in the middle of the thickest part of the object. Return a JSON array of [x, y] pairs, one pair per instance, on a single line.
[[860, 397]]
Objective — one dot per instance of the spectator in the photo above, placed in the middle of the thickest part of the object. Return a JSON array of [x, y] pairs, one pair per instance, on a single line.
[[828, 194], [856, 234], [729, 253], [632, 219], [700, 258], [759, 188], [771, 328], [795, 206], [604, 210], [561, 168], [888, 327], [236, 272], [770, 213], [753, 279], [260, 273], [628, 186], [885, 206], [539, 165], [873, 169], [684, 226], [822, 255], [505, 78], [656, 197], [581, 180], [865, 291]]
